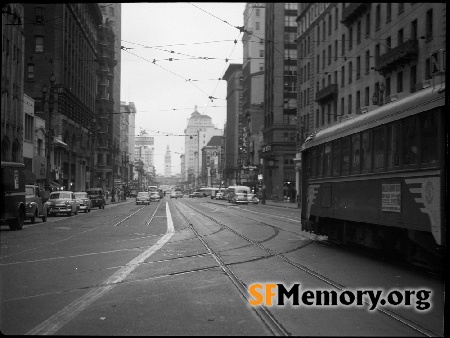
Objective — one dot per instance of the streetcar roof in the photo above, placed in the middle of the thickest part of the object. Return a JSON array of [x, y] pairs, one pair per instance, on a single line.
[[420, 101]]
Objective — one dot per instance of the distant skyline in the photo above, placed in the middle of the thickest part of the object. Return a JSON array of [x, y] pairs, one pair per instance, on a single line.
[[174, 64]]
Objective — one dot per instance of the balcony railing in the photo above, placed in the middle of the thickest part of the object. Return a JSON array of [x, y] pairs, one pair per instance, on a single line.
[[397, 55], [353, 11], [327, 93]]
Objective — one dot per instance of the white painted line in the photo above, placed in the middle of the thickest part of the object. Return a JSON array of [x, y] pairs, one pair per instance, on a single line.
[[58, 320]]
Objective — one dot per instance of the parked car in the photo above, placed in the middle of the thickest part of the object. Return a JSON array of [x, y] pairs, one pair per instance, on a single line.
[[179, 194], [84, 200], [143, 197], [239, 198], [173, 194], [155, 196], [97, 197], [34, 204], [62, 202], [195, 194], [252, 198]]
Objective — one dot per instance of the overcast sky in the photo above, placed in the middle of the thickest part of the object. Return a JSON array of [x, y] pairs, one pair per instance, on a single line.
[[199, 37]]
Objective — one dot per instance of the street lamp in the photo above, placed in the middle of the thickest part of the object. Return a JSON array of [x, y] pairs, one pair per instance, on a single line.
[[55, 90]]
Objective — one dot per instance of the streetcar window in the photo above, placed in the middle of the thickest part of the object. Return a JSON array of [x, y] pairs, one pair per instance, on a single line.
[[336, 156], [379, 142], [366, 150], [320, 160], [410, 141], [393, 145], [327, 159], [429, 137], [356, 153], [313, 162], [345, 155]]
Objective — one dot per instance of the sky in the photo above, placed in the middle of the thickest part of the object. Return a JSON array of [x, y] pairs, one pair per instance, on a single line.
[[199, 37]]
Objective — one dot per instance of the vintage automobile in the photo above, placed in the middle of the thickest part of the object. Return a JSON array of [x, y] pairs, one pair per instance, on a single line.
[[179, 193], [173, 194], [97, 197], [62, 202], [84, 200], [252, 199], [155, 196], [195, 194], [239, 198], [34, 204], [143, 197], [220, 196]]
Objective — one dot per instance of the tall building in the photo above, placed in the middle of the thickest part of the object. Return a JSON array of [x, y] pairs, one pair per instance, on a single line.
[[211, 156], [199, 131], [13, 51], [280, 86], [252, 91], [60, 74], [167, 163], [234, 128]]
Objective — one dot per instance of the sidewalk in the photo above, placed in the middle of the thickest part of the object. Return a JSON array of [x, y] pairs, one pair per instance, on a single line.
[[282, 204]]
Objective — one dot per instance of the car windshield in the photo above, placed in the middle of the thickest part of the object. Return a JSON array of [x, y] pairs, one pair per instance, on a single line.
[[60, 195], [81, 195], [94, 192], [29, 191], [143, 194]]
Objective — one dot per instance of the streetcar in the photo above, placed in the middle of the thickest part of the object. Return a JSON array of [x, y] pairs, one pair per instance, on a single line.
[[377, 180]]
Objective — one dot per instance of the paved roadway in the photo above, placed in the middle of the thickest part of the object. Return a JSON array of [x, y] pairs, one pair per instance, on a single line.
[[141, 270]]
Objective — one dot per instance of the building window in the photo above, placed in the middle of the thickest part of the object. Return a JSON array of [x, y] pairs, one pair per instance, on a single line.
[[335, 50], [343, 45], [336, 16], [343, 76], [377, 17], [330, 19], [388, 44], [401, 8], [399, 82], [400, 37], [413, 79], [414, 30], [318, 35], [388, 12], [429, 25], [358, 67], [30, 71], [342, 106], [317, 118], [318, 63], [358, 33], [350, 38], [261, 53], [367, 62], [257, 26], [258, 11], [323, 59], [368, 25], [329, 54], [39, 44], [367, 97], [358, 100], [350, 104], [261, 66], [350, 71], [39, 13], [28, 127]]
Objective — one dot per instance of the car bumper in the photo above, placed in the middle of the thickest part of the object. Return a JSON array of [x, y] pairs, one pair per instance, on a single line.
[[60, 209]]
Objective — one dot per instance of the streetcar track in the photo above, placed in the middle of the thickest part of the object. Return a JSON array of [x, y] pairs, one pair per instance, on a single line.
[[390, 313]]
